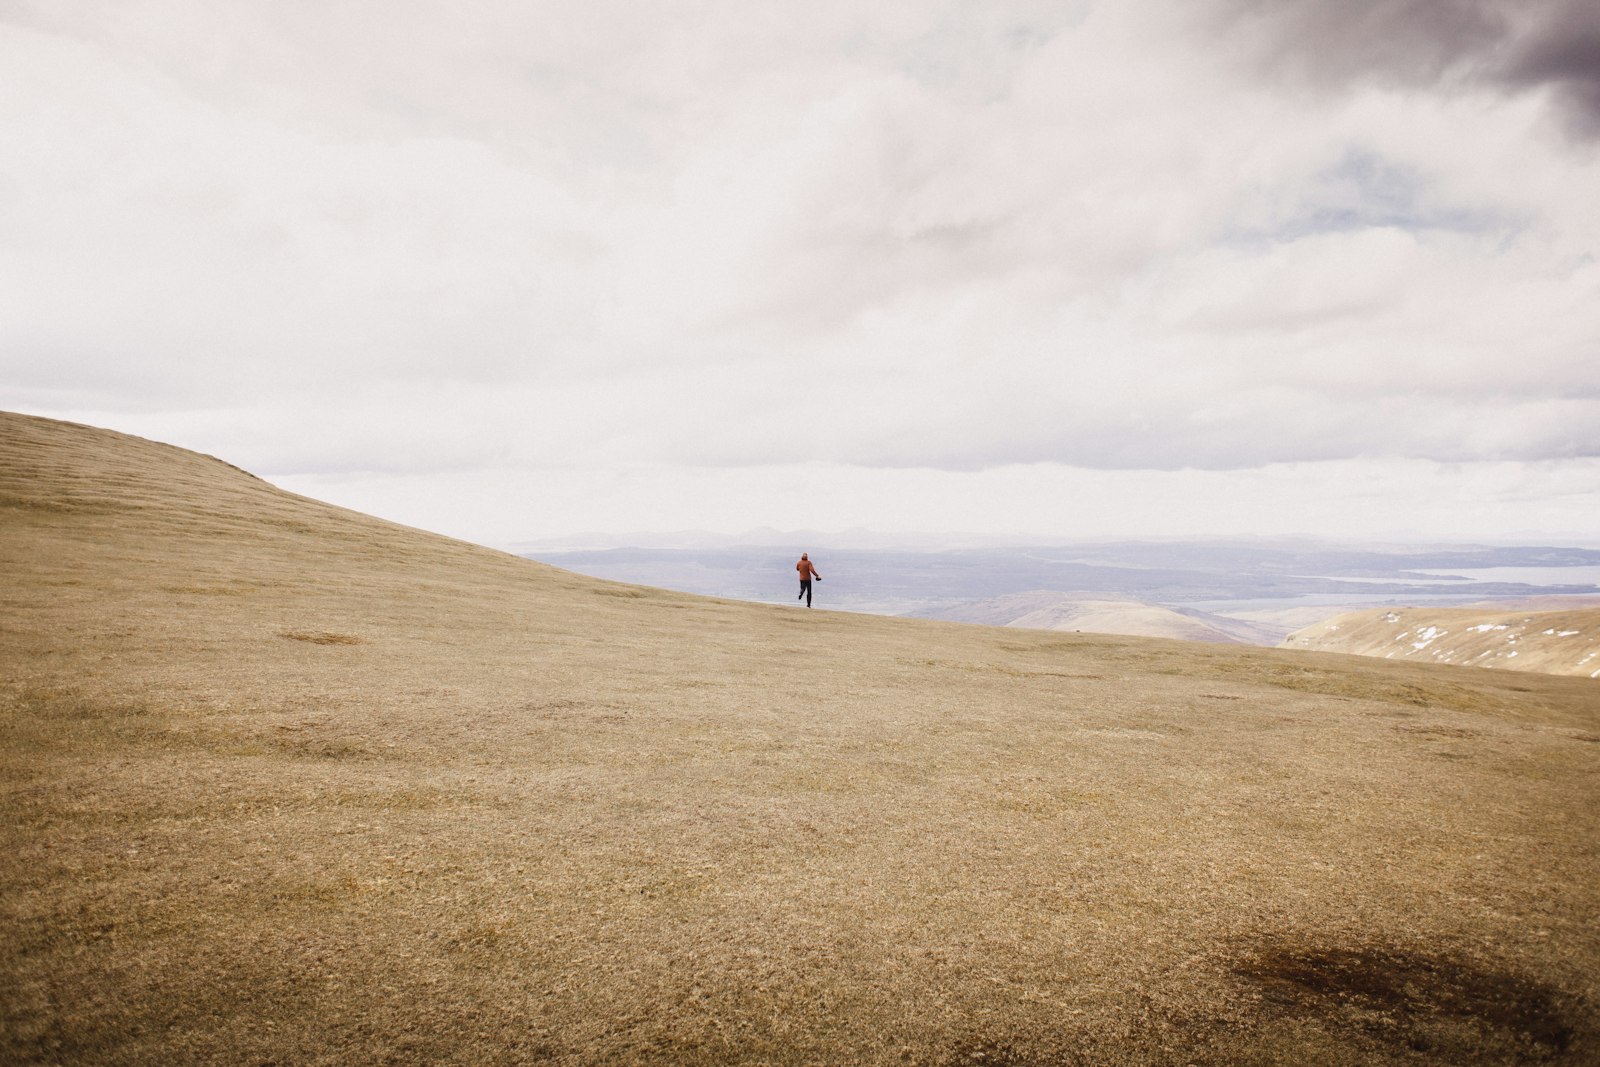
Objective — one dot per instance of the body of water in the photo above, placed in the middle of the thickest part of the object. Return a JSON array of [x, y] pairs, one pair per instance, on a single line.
[[1587, 574]]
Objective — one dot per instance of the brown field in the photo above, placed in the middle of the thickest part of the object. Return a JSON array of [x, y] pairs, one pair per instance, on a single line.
[[285, 784]]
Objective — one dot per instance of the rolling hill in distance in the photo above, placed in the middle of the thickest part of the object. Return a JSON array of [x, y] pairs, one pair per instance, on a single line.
[[288, 783], [1563, 641], [1099, 613]]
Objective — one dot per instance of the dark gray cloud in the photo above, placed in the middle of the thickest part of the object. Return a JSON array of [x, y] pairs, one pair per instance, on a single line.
[[1335, 41], [1510, 45], [1564, 52]]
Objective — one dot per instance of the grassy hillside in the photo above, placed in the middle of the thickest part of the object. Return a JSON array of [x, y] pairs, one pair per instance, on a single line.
[[1563, 641], [287, 784]]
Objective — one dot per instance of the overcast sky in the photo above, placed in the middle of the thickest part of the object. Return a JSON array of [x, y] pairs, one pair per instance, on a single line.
[[516, 270]]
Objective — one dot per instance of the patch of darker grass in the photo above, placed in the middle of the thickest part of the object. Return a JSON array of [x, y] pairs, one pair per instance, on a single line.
[[1449, 1009], [40, 724], [685, 1050], [987, 667], [1437, 731], [1330, 683], [392, 800], [228, 589], [987, 1053], [293, 525], [322, 638], [68, 703], [321, 747], [594, 711], [60, 505], [1354, 684]]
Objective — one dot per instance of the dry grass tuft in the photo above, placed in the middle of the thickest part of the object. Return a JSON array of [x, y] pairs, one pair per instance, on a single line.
[[322, 638]]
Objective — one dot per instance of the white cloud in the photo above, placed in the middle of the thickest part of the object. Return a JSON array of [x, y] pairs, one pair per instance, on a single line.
[[891, 240], [1360, 499]]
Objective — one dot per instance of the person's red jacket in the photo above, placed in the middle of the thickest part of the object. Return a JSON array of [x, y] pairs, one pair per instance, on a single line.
[[807, 570]]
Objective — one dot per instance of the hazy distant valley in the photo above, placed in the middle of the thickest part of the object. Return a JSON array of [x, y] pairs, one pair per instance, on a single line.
[[1216, 591]]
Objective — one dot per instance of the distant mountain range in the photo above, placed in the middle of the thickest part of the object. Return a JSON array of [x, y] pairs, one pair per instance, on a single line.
[[1254, 592]]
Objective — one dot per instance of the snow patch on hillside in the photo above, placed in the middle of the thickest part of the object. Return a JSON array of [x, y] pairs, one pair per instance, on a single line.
[[1556, 642]]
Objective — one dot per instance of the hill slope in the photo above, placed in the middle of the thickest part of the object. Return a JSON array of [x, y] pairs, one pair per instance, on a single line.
[[283, 783], [1553, 642], [1100, 614]]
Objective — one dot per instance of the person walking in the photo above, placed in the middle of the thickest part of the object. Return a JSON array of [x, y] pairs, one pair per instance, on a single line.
[[807, 572]]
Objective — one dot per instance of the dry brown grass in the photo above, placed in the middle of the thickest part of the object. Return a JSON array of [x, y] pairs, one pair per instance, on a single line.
[[532, 817]]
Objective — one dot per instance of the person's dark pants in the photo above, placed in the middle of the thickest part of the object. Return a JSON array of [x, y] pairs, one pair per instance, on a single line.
[[805, 591]]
